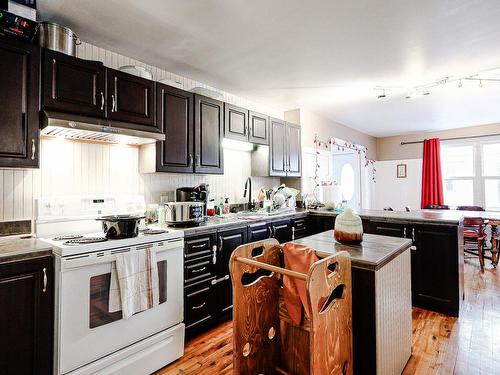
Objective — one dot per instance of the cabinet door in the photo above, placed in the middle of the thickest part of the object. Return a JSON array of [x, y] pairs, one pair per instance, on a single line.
[[258, 232], [73, 85], [258, 128], [318, 224], [175, 120], [282, 231], [26, 321], [277, 150], [294, 156], [228, 240], [435, 269], [131, 100], [19, 119], [235, 122], [299, 228], [209, 132]]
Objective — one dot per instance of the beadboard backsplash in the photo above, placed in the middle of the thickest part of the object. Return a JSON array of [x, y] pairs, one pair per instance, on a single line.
[[75, 168]]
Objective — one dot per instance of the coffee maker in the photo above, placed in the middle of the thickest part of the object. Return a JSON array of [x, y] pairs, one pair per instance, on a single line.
[[193, 194]]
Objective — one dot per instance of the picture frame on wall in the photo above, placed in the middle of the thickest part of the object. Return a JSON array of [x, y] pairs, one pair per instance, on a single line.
[[401, 170]]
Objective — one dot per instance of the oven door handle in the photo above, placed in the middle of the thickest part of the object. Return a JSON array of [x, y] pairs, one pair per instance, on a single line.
[[79, 261]]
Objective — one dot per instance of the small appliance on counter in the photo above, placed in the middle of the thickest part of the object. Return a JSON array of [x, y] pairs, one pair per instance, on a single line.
[[184, 213], [198, 193], [17, 27]]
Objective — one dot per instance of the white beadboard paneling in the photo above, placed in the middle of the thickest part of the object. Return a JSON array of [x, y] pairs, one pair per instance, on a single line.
[[8, 194], [393, 315]]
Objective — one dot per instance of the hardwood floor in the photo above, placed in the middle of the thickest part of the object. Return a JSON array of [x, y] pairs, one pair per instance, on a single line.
[[441, 344]]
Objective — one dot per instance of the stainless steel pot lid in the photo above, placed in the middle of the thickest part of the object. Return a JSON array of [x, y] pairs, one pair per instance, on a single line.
[[120, 217]]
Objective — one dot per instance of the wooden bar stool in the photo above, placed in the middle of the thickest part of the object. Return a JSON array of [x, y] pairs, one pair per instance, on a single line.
[[495, 243], [475, 238]]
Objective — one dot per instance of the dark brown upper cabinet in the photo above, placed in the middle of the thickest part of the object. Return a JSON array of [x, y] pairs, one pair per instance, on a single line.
[[258, 125], [19, 104], [235, 122], [285, 151], [293, 164], [73, 85], [175, 114], [277, 151], [130, 99], [209, 132]]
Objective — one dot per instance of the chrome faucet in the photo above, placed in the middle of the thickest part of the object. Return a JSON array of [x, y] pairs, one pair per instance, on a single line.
[[248, 188]]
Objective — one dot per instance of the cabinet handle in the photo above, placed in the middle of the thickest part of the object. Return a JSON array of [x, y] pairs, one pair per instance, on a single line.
[[113, 107], [214, 254], [404, 232], [33, 149], [198, 246], [413, 234], [190, 158], [293, 233], [199, 306], [102, 101], [220, 243], [199, 270], [44, 280], [197, 157], [215, 281]]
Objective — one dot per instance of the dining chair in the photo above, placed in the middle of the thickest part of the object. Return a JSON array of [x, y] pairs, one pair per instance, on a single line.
[[495, 241], [475, 238], [437, 207], [470, 208]]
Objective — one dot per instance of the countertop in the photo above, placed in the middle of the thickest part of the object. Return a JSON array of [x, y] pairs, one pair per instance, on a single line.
[[16, 249], [237, 220], [373, 253], [418, 216]]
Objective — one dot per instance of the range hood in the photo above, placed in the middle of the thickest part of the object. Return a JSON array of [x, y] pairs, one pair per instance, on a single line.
[[63, 125]]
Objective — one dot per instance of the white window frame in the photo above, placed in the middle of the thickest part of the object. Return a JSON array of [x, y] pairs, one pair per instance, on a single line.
[[478, 179]]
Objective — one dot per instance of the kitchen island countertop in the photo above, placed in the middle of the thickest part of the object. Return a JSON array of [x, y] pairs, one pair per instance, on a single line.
[[373, 253]]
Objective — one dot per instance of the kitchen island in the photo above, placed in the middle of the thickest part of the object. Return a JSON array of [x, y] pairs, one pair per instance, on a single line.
[[381, 299], [437, 254]]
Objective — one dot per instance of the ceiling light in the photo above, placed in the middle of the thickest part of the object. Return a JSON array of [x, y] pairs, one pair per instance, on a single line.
[[411, 95], [426, 92], [480, 84], [460, 84], [381, 96]]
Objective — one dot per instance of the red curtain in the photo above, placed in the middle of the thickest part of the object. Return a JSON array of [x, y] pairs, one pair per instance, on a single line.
[[432, 181]]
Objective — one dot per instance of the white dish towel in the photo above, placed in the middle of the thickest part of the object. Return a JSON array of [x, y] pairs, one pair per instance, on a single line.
[[134, 282]]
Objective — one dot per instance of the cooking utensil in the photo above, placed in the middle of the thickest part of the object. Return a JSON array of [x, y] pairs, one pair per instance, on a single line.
[[120, 226], [184, 213], [58, 38]]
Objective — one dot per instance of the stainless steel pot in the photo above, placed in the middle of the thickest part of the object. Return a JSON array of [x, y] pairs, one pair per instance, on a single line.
[[58, 38], [120, 226], [184, 213]]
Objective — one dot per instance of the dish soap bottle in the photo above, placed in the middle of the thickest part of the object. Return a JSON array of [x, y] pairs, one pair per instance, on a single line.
[[225, 209]]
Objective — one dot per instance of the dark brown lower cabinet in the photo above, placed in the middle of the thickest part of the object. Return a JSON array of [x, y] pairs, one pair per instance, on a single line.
[[281, 230], [27, 315]]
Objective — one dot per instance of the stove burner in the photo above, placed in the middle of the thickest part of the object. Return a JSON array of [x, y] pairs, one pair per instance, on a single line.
[[85, 240], [65, 237], [149, 231]]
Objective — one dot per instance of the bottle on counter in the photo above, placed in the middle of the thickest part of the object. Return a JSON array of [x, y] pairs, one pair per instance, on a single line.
[[225, 207], [161, 214], [211, 208]]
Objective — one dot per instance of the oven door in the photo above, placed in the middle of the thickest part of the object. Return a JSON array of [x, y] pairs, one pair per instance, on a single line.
[[87, 331]]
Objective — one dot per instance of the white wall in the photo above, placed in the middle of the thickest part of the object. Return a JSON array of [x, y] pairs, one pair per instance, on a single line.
[[398, 192], [68, 167]]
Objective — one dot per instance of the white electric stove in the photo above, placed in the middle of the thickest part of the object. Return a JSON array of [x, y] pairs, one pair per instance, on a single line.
[[88, 338]]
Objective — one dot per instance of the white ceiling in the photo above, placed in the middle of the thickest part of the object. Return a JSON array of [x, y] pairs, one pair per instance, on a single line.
[[326, 56]]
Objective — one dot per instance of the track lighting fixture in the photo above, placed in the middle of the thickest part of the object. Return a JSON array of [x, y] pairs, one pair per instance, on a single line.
[[381, 96], [460, 84]]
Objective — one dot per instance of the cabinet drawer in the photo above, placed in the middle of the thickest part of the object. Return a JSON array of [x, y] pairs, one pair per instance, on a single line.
[[197, 247], [198, 269], [300, 233], [198, 305], [387, 229]]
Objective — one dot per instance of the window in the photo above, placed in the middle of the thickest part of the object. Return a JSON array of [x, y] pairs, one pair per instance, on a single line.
[[471, 173]]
